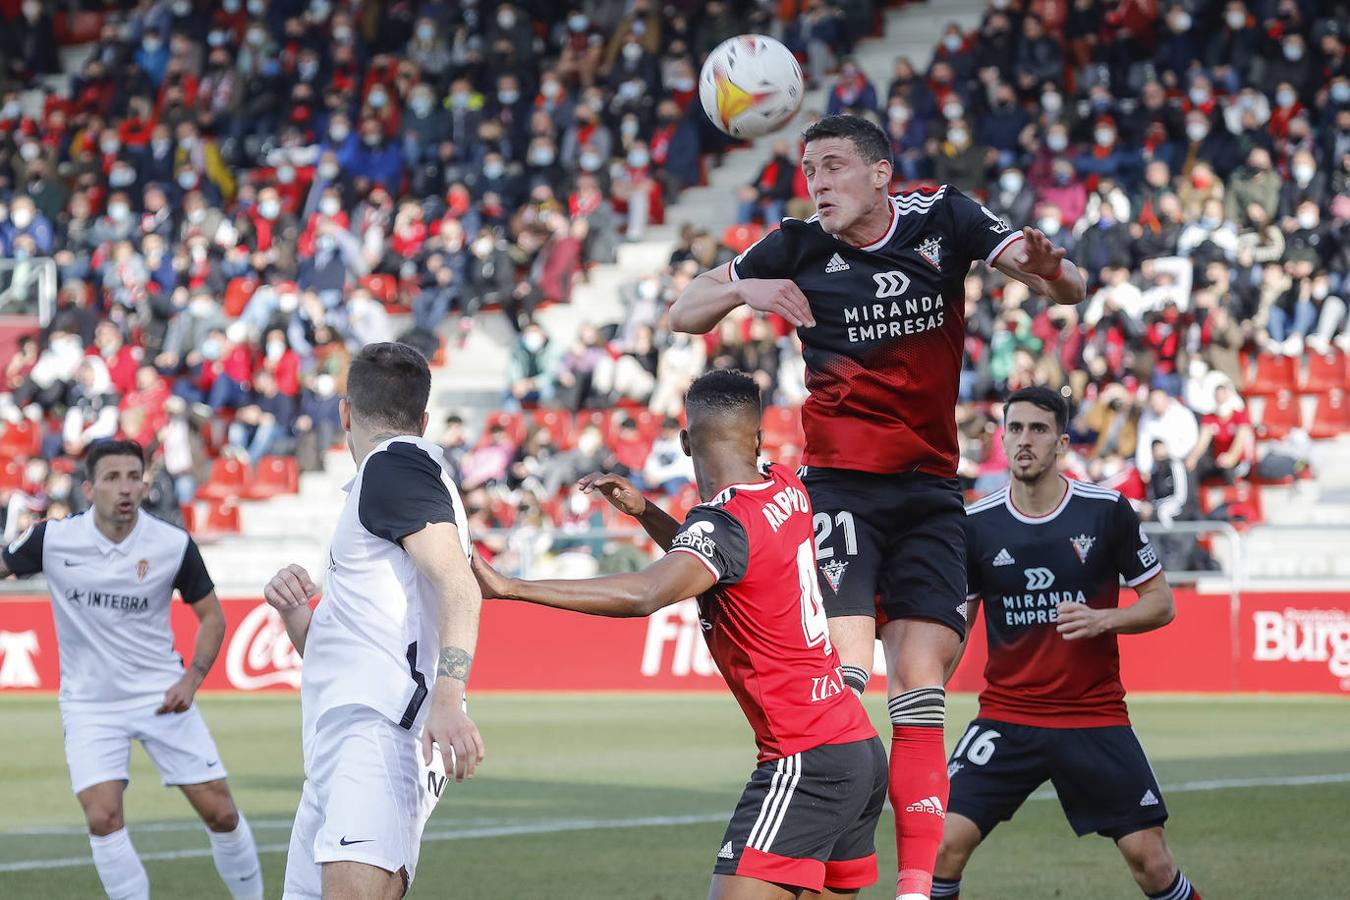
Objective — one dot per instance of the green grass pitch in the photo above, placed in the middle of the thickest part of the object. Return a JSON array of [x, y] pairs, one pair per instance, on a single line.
[[625, 797]]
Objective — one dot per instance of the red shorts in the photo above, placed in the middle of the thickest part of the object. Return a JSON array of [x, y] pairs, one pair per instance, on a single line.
[[808, 820]]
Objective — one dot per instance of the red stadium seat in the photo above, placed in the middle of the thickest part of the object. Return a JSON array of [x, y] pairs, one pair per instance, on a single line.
[[383, 288], [648, 423], [1325, 372], [222, 516], [228, 479], [1282, 414], [274, 475], [1273, 374], [739, 237], [514, 423], [11, 475], [679, 505], [21, 439], [556, 422], [782, 425], [597, 417], [1331, 417], [237, 294]]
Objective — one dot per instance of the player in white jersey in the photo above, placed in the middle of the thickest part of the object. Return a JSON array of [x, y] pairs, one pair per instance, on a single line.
[[112, 572], [388, 649]]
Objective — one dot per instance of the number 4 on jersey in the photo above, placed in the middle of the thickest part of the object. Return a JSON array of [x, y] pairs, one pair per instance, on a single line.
[[814, 623]]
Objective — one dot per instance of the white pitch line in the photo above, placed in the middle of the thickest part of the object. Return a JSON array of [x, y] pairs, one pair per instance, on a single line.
[[557, 826]]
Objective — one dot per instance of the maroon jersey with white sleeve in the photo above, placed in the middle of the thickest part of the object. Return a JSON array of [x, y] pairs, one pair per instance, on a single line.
[[1024, 567], [764, 621], [883, 361]]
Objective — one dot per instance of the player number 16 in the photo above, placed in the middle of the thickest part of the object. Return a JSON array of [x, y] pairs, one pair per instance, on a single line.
[[977, 745]]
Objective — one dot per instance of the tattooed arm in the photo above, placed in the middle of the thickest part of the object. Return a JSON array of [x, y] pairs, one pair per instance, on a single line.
[[436, 552]]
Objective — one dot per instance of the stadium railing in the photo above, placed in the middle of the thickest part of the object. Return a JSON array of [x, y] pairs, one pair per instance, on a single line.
[[28, 288]]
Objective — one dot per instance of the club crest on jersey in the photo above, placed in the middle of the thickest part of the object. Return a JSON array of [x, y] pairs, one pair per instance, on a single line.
[[1081, 545], [834, 572], [142, 569], [931, 250]]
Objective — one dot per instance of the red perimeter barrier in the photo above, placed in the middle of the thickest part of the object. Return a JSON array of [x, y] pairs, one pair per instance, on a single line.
[[1279, 642]]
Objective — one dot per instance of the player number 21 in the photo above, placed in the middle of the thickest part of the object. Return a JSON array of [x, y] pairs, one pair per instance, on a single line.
[[824, 527], [814, 623]]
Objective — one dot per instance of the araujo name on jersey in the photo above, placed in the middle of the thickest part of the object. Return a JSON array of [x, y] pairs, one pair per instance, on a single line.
[[1040, 608], [906, 316], [98, 599]]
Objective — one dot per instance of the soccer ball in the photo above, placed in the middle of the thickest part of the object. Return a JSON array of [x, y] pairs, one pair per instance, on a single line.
[[750, 85]]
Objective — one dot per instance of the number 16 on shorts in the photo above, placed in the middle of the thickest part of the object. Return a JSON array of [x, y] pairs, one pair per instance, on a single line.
[[976, 746]]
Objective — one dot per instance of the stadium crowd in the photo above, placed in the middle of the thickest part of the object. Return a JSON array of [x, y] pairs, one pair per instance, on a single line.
[[238, 195]]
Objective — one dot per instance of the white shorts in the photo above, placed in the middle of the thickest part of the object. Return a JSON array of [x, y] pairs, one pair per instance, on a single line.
[[98, 744], [366, 798]]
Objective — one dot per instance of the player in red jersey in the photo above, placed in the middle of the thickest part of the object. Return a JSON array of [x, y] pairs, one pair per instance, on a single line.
[[875, 285], [1046, 555], [805, 824]]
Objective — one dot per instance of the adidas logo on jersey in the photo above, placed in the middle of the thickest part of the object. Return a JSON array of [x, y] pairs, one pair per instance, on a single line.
[[929, 805], [1004, 558], [726, 852], [836, 264], [1149, 799]]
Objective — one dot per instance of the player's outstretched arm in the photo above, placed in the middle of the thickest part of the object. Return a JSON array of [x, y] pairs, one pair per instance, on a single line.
[[1154, 609], [210, 635], [1043, 268], [709, 297], [289, 592], [439, 557], [672, 578], [619, 491]]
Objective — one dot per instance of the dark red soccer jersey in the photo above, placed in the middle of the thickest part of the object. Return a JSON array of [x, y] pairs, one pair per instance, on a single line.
[[764, 621], [884, 359], [1024, 567]]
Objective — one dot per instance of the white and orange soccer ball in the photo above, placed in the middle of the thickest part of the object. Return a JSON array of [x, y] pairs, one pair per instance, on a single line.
[[750, 85]]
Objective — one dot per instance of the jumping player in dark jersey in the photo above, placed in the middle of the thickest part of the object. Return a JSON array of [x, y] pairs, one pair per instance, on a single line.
[[1046, 555], [874, 283], [805, 824]]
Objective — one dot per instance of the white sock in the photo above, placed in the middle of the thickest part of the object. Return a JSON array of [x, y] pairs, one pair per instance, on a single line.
[[237, 861], [119, 868]]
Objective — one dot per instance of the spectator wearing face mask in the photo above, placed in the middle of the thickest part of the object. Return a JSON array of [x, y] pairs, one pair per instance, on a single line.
[[959, 159], [1066, 193], [375, 160], [26, 221], [1001, 127]]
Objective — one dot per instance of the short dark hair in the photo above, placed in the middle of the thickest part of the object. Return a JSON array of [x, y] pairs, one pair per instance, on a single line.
[[724, 390], [868, 138], [101, 449], [389, 383], [1042, 398]]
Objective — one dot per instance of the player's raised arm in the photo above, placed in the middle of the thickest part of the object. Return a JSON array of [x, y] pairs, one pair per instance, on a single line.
[[619, 491], [439, 557], [709, 297], [672, 578], [289, 592], [1044, 268]]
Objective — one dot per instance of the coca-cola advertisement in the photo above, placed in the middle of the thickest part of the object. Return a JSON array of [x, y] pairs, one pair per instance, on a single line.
[[1278, 642]]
